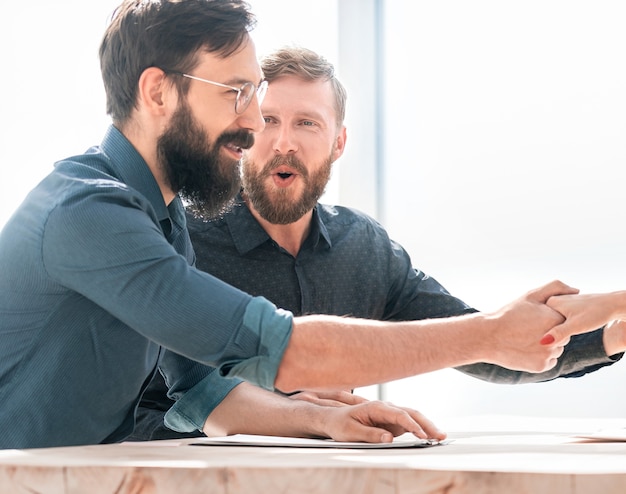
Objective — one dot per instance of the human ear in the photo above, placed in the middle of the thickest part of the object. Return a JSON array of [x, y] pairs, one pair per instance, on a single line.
[[340, 143], [154, 91]]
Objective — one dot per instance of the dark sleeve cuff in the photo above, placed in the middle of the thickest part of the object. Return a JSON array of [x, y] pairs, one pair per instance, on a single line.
[[585, 353], [190, 412]]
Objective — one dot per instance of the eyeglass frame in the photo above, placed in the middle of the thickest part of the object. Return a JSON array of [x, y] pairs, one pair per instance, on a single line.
[[259, 90]]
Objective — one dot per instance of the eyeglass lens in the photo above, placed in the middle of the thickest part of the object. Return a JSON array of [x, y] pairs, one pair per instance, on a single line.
[[244, 97], [246, 93]]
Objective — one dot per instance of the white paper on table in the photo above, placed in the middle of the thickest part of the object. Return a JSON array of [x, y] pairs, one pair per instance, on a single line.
[[606, 435], [404, 441]]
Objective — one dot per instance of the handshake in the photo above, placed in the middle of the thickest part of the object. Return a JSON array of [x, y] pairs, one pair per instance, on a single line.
[[584, 313], [552, 314]]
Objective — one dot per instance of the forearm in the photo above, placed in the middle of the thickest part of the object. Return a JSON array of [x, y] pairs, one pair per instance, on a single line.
[[248, 409], [326, 352], [614, 337], [251, 410], [615, 304], [355, 353]]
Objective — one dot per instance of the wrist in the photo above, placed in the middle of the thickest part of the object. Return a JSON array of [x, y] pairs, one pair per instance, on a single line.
[[315, 420], [480, 344], [620, 305], [614, 337]]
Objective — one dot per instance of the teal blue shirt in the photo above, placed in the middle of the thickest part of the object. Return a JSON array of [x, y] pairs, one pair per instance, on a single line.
[[97, 288]]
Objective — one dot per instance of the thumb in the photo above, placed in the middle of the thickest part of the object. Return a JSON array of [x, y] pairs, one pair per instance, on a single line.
[[371, 434], [542, 294], [558, 334]]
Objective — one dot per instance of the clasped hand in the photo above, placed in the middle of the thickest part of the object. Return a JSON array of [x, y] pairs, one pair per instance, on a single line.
[[521, 325], [539, 325], [587, 312]]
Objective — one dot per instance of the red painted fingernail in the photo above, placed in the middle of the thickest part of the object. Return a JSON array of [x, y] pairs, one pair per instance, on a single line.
[[547, 340]]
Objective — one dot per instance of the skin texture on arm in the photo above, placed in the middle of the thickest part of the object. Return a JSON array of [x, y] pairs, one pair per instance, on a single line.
[[359, 353], [584, 313], [251, 410], [329, 398], [615, 337]]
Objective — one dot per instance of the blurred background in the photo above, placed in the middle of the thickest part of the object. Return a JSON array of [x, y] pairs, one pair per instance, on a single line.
[[488, 137]]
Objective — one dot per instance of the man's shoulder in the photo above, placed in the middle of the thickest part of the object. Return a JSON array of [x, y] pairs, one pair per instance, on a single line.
[[71, 185], [91, 163], [85, 179], [344, 215]]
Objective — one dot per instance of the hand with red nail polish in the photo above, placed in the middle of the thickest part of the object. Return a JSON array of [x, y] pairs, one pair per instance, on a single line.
[[547, 340], [584, 313]]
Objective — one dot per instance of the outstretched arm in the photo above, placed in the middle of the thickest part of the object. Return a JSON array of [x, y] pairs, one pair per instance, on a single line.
[[327, 352]]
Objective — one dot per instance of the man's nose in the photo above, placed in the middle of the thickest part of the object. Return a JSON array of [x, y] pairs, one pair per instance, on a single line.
[[252, 118], [284, 142]]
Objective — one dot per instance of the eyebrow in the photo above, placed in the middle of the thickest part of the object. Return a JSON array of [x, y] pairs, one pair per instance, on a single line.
[[313, 115], [310, 114]]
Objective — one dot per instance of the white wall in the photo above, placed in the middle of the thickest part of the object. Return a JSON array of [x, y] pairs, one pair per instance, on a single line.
[[505, 157], [52, 96]]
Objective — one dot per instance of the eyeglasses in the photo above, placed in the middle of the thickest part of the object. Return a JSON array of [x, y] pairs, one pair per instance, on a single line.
[[244, 93]]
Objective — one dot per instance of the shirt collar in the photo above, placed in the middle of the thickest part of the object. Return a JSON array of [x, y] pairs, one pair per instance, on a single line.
[[248, 234], [128, 165], [318, 228]]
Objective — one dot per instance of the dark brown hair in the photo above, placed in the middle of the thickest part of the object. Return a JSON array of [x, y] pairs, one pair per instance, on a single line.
[[166, 34]]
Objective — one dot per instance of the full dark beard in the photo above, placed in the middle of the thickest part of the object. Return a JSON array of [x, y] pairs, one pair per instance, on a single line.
[[194, 168], [275, 205]]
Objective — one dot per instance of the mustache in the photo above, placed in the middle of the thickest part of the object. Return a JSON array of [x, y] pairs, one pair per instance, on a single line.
[[240, 138], [288, 160]]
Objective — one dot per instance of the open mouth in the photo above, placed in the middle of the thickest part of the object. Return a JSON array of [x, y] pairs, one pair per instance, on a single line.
[[235, 150], [236, 142], [284, 176], [284, 173]]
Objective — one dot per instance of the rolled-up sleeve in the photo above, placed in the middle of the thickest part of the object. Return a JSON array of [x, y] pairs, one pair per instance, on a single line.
[[198, 390], [191, 410], [273, 329]]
